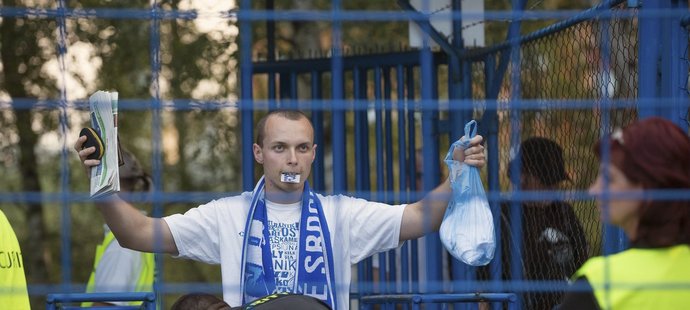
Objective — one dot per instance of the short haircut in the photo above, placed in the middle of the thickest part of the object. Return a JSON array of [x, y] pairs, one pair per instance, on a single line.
[[199, 301], [655, 154], [294, 115]]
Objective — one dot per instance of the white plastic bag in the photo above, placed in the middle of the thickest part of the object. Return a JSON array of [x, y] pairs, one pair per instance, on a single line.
[[467, 230]]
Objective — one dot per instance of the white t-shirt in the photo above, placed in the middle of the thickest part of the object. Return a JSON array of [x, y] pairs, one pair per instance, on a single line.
[[118, 270], [283, 225], [213, 233]]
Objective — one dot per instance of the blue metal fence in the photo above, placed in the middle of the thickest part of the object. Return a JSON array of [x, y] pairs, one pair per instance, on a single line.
[[379, 116]]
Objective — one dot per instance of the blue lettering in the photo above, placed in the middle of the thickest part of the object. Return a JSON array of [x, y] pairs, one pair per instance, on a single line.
[[278, 264]]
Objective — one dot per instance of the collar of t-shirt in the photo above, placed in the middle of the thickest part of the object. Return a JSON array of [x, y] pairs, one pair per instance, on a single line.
[[283, 213]]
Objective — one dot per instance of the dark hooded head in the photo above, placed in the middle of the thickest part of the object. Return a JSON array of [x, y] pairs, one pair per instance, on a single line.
[[541, 158]]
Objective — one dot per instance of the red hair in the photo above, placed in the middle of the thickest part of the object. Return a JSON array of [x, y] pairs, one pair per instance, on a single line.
[[655, 153]]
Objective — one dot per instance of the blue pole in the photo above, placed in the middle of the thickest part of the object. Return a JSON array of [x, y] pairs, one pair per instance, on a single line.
[[411, 131], [649, 51], [271, 50], [65, 213], [515, 138], [156, 127], [317, 119], [679, 68], [247, 118], [402, 164], [338, 129], [491, 116], [431, 160]]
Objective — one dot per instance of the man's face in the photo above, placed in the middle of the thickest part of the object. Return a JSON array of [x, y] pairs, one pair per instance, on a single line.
[[288, 148]]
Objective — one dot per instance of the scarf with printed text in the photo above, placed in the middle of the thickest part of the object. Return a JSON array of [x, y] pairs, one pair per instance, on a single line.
[[315, 274]]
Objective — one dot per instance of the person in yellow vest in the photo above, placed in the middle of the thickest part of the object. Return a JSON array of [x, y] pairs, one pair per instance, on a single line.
[[117, 269], [13, 292], [648, 155]]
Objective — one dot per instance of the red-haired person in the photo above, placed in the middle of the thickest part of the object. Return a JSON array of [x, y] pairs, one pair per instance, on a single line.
[[652, 154]]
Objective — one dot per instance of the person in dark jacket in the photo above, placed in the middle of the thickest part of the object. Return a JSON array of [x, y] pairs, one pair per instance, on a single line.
[[553, 241]]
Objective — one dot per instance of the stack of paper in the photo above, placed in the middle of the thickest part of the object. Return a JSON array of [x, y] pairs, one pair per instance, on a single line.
[[105, 178]]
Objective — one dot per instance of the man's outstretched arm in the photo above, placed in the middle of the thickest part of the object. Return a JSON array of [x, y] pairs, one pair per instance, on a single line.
[[426, 215], [132, 229]]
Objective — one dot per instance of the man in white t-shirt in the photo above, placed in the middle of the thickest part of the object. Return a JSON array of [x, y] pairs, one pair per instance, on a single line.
[[282, 236]]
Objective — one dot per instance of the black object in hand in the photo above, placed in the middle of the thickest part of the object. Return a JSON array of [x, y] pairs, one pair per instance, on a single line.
[[92, 139]]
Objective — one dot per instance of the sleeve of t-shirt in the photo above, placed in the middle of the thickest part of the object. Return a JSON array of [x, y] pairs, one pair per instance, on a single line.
[[196, 232], [117, 271], [374, 227]]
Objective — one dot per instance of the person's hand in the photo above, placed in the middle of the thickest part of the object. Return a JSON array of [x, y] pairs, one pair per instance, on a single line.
[[84, 153], [473, 155]]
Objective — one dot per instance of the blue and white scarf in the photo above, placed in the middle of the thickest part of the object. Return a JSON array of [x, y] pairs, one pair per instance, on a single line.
[[315, 274]]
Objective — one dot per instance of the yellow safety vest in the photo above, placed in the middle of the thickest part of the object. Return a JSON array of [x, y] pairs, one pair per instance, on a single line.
[[641, 278], [13, 292], [146, 275]]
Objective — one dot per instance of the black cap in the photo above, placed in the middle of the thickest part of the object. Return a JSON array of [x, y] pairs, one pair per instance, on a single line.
[[543, 159]]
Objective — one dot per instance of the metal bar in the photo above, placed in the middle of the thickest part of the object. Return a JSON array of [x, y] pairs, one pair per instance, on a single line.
[[614, 237], [679, 69], [364, 129], [665, 71], [361, 163], [422, 21], [65, 214], [388, 132], [247, 118], [156, 137], [402, 165], [318, 171], [493, 169], [146, 297], [411, 132], [515, 138], [348, 63], [431, 164], [378, 134], [285, 83], [293, 91], [338, 130], [441, 298], [549, 30], [388, 129], [271, 50], [649, 49]]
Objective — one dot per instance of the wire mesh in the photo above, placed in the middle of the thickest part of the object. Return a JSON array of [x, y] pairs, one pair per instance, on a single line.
[[569, 81]]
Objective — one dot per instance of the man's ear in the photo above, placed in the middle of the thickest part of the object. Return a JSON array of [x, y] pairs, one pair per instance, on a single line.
[[258, 153], [313, 152]]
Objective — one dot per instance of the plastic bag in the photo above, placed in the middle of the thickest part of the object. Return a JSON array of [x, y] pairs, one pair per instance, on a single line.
[[467, 230]]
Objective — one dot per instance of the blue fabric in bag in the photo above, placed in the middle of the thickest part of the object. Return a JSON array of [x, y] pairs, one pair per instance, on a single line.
[[467, 230]]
